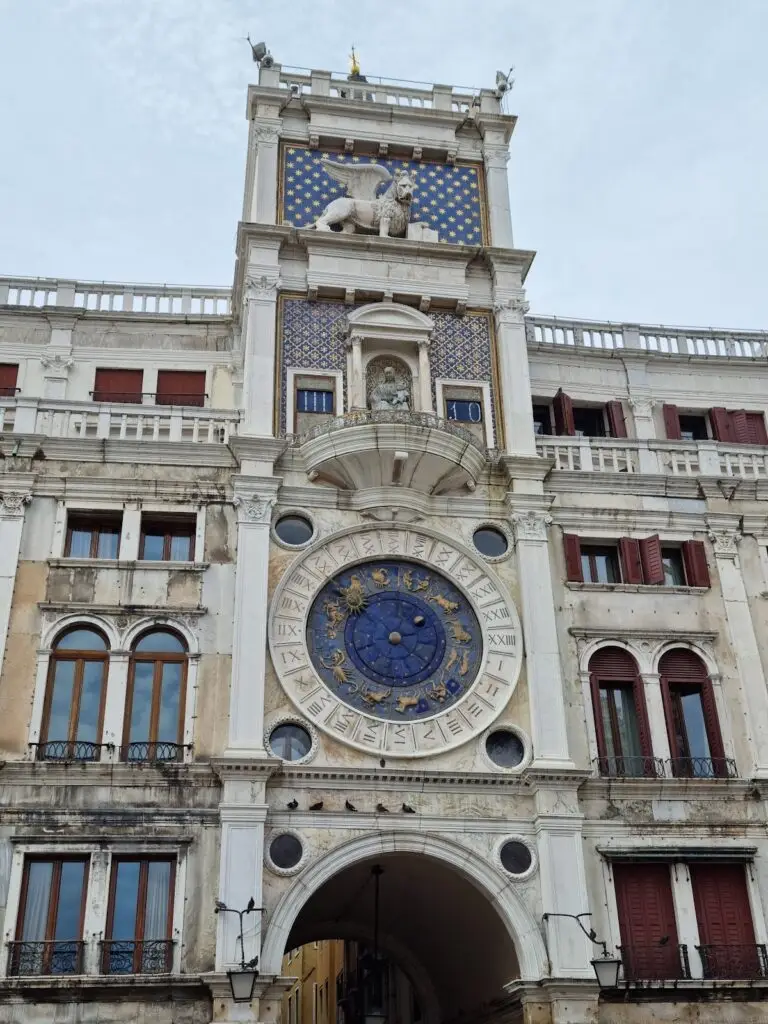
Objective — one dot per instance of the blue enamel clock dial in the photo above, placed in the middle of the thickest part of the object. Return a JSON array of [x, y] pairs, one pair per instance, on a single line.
[[394, 639]]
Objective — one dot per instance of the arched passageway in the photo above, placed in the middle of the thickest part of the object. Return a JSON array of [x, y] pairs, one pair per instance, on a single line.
[[448, 921]]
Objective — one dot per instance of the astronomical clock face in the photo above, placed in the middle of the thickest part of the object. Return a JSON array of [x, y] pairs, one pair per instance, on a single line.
[[395, 641]]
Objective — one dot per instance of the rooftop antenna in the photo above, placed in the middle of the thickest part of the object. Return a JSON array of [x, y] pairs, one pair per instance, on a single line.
[[504, 82], [261, 54]]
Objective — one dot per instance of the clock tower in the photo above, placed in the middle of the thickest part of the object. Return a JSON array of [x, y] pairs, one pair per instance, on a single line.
[[397, 707]]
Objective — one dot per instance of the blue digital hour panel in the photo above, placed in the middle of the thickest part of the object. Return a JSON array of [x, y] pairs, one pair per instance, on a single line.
[[394, 639]]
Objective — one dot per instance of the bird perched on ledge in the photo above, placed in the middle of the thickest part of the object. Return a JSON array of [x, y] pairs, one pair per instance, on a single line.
[[407, 809], [350, 806], [292, 805], [316, 807]]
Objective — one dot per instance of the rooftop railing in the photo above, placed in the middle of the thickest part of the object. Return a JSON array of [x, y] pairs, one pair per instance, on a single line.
[[113, 297]]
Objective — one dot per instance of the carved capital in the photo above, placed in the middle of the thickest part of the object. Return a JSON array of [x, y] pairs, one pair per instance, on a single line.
[[266, 133], [57, 362], [725, 542], [642, 407], [12, 503], [531, 525], [510, 311], [254, 508], [261, 289], [496, 157]]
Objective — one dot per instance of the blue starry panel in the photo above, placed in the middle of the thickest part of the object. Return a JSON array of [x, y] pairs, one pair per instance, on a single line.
[[448, 197], [313, 337], [394, 639]]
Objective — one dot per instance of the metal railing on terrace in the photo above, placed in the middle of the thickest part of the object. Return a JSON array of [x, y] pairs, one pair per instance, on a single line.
[[114, 297], [654, 339]]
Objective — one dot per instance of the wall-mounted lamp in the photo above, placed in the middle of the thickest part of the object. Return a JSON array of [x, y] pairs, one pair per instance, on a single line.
[[242, 981], [606, 967]]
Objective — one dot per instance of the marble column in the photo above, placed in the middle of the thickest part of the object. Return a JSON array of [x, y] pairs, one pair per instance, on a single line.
[[254, 499], [657, 721], [12, 504], [515, 378], [259, 345], [357, 383], [265, 141], [542, 655], [725, 538], [425, 382], [495, 158]]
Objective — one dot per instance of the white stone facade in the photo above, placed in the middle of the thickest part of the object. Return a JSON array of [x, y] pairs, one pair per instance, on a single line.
[[424, 798]]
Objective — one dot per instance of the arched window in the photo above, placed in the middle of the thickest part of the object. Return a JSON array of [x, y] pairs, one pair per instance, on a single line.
[[621, 720], [154, 713], [689, 704], [73, 713]]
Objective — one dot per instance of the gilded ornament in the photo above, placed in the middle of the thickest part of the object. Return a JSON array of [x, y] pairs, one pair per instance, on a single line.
[[403, 703], [380, 577], [445, 604], [460, 635], [337, 660], [354, 595]]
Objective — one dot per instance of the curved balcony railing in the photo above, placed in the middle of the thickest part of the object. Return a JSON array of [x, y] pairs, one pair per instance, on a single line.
[[364, 417], [631, 767], [153, 752], [136, 956], [69, 750], [702, 768], [25, 958]]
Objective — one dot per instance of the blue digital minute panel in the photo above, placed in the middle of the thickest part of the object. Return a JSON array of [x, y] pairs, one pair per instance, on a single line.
[[394, 639]]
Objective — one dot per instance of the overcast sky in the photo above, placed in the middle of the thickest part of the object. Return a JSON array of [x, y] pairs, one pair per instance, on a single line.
[[639, 163]]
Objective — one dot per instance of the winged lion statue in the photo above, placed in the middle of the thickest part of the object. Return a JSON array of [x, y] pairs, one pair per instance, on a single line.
[[362, 209]]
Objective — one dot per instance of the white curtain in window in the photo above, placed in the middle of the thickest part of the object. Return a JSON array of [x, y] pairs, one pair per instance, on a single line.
[[158, 893], [36, 906]]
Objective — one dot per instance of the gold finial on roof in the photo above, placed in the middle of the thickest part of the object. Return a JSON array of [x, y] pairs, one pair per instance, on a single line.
[[354, 64]]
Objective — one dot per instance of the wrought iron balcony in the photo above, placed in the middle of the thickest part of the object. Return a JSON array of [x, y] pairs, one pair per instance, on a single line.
[[69, 750], [631, 767], [407, 449], [154, 752], [137, 956], [702, 768], [27, 958], [734, 962], [662, 961]]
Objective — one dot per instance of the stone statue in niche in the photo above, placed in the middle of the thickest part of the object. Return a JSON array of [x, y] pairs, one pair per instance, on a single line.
[[389, 385], [362, 209]]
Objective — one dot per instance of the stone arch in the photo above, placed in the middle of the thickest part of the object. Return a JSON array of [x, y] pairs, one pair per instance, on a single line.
[[686, 645], [374, 374], [590, 649], [498, 890], [87, 621], [171, 624]]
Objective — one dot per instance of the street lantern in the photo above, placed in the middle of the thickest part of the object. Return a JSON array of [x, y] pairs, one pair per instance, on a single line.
[[606, 967], [242, 979]]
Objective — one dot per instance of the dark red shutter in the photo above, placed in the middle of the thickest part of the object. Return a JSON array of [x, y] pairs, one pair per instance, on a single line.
[[681, 666], [563, 409], [616, 421], [9, 373], [631, 567], [180, 387], [650, 556], [739, 429], [572, 546], [671, 422], [720, 420], [695, 562], [615, 665], [712, 724], [723, 911], [756, 433], [647, 921], [118, 385]]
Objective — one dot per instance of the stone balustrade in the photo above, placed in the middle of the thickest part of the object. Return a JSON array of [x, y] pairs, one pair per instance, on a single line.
[[672, 341], [63, 419], [105, 297], [304, 82], [671, 458]]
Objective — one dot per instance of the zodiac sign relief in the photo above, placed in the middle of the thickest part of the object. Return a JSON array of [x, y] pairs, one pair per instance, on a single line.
[[370, 696], [335, 617], [444, 603], [415, 585], [335, 666], [460, 635], [354, 595], [380, 577], [403, 703]]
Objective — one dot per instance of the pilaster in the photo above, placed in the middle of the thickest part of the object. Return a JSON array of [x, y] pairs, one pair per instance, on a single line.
[[254, 500], [725, 537], [260, 334], [265, 141], [495, 159], [656, 719], [514, 372], [545, 681], [685, 915], [12, 508]]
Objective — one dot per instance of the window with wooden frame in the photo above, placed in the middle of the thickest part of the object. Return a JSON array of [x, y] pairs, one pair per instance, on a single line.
[[572, 420], [180, 387], [167, 538], [695, 741], [639, 561], [154, 714], [9, 375], [140, 916], [49, 928], [734, 426], [93, 535], [118, 386], [621, 719], [73, 711], [647, 922], [724, 916]]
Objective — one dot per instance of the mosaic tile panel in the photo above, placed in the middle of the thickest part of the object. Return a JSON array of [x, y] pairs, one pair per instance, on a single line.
[[448, 197], [313, 337]]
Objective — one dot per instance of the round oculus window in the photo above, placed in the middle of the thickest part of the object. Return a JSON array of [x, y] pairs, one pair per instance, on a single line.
[[285, 851], [290, 741], [516, 857], [490, 542], [505, 748], [294, 530], [394, 639]]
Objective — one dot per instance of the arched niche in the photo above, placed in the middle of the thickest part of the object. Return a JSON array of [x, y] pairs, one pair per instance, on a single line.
[[389, 329]]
